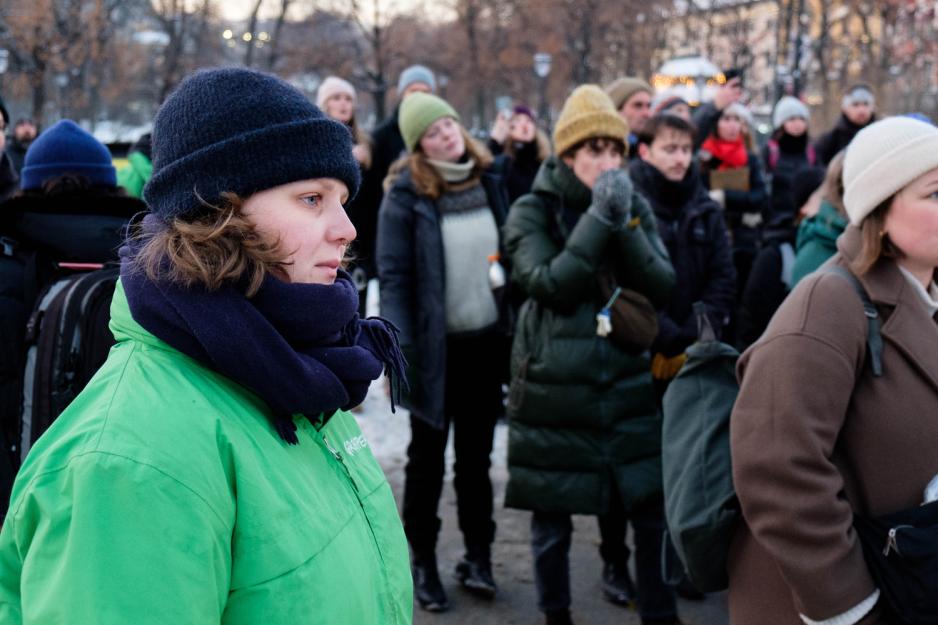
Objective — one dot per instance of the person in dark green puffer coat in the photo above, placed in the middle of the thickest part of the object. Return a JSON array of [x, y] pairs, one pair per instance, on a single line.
[[584, 436], [817, 235]]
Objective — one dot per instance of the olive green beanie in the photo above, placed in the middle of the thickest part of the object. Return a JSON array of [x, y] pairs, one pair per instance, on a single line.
[[588, 113], [417, 112]]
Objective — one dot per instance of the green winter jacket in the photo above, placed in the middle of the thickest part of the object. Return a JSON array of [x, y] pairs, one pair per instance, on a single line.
[[817, 240], [134, 175], [164, 495], [583, 418]]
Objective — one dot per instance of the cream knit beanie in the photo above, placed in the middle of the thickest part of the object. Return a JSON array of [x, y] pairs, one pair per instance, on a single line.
[[588, 113], [333, 85], [882, 159]]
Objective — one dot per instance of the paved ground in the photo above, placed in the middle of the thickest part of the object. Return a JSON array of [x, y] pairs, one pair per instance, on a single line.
[[515, 604]]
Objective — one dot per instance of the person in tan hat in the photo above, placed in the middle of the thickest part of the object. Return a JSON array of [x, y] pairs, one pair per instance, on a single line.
[[820, 435], [584, 437], [631, 96]]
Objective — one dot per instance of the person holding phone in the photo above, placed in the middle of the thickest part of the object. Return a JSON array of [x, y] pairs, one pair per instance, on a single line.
[[516, 135]]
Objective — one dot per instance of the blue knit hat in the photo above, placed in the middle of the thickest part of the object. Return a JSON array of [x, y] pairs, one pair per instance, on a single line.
[[66, 148], [240, 131], [416, 73]]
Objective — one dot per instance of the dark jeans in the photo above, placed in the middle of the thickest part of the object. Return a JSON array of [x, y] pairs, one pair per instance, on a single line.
[[473, 399], [550, 542]]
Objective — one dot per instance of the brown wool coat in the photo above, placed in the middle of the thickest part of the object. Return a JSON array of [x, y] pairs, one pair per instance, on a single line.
[[815, 437]]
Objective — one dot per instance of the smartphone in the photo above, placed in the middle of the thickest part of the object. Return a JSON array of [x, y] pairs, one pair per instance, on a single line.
[[503, 105]]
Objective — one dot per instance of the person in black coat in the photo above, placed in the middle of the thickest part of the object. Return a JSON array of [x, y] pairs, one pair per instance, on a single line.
[[9, 179], [770, 280], [387, 145], [692, 229], [70, 209], [24, 133], [439, 250], [788, 151], [525, 146], [858, 110]]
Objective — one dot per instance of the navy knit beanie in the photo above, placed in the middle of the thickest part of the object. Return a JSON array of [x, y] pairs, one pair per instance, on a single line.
[[240, 131], [66, 148]]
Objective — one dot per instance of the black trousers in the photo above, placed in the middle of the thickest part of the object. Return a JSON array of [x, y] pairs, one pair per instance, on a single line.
[[473, 402], [550, 544]]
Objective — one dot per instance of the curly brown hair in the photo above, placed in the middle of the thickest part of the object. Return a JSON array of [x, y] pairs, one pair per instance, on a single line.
[[219, 247]]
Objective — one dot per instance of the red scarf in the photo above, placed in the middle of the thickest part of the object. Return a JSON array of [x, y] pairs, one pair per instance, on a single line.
[[731, 154]]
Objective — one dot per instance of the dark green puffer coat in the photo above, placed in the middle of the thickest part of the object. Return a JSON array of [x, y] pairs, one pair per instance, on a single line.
[[582, 412]]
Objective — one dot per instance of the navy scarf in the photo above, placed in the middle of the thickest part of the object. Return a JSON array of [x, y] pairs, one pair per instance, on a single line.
[[301, 347]]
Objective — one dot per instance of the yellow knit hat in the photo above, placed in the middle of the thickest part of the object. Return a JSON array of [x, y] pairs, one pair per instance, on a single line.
[[588, 113]]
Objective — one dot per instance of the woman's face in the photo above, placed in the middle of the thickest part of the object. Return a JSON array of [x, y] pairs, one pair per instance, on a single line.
[[795, 127], [912, 223], [308, 219], [521, 128], [729, 128], [340, 107], [442, 140], [588, 163], [681, 110]]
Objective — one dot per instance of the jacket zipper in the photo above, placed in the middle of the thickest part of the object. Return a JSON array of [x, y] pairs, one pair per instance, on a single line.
[[361, 504], [892, 543]]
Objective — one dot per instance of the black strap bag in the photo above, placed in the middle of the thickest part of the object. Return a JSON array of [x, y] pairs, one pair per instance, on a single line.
[[901, 551], [626, 317]]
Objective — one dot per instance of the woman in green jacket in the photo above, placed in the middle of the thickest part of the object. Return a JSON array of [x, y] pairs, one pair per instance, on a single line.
[[817, 235], [209, 472], [585, 437]]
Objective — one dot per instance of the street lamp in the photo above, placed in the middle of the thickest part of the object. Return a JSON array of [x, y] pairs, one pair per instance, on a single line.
[[542, 61]]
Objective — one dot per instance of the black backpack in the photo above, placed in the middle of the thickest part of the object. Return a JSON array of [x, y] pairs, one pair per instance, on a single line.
[[67, 340], [701, 507]]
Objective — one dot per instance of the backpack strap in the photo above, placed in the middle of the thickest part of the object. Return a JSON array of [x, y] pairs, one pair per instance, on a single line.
[[773, 154], [788, 263], [874, 340], [812, 155]]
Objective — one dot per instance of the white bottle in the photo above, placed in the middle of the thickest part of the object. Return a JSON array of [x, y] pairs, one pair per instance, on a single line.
[[497, 277]]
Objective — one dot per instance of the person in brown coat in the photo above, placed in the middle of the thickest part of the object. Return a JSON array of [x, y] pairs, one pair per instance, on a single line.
[[815, 437]]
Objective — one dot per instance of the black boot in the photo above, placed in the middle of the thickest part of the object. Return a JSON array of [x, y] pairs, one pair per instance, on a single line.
[[617, 584], [475, 575], [427, 586], [558, 617]]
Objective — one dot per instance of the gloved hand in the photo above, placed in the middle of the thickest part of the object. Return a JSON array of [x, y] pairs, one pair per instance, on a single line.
[[664, 368], [612, 197]]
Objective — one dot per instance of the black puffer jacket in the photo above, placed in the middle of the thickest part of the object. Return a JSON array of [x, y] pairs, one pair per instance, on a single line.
[[412, 275], [692, 229], [583, 417]]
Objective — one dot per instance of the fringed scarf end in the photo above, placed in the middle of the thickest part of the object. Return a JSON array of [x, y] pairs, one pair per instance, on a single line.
[[383, 336], [286, 428]]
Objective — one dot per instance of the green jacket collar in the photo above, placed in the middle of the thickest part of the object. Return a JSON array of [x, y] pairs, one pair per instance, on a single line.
[[557, 179]]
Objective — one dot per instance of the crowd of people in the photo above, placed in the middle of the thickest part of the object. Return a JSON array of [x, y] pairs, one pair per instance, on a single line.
[[212, 469]]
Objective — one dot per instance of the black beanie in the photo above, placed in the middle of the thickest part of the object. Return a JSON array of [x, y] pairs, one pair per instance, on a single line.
[[240, 131]]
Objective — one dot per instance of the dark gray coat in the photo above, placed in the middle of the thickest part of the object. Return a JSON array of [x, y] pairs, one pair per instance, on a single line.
[[411, 273]]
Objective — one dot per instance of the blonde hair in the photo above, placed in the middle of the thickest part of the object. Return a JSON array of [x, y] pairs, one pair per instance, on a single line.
[[427, 180], [874, 243], [832, 189], [220, 247]]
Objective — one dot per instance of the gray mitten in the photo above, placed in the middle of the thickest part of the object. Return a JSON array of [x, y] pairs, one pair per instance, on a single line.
[[612, 197]]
